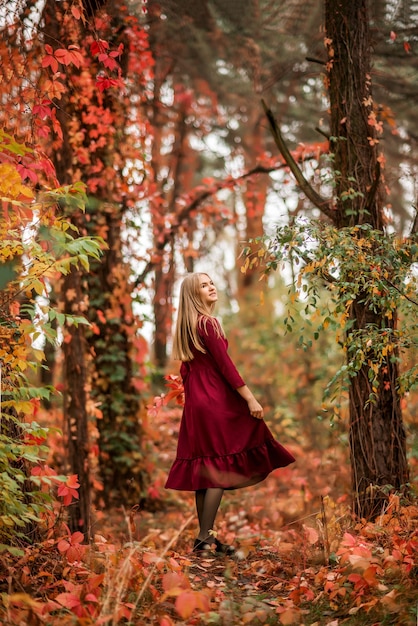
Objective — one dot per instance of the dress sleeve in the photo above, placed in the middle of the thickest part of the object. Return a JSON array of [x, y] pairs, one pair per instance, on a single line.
[[217, 347]]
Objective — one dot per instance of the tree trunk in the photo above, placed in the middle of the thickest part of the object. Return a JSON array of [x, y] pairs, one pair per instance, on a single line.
[[112, 368], [74, 350], [163, 308], [75, 376], [112, 347], [377, 437]]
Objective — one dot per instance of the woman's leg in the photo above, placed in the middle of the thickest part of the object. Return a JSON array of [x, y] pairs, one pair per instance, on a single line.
[[200, 503], [207, 505]]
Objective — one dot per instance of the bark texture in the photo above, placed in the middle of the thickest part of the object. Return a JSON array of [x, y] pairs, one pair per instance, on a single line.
[[75, 412], [377, 436]]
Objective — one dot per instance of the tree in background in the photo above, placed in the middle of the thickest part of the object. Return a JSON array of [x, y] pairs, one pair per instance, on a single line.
[[212, 62]]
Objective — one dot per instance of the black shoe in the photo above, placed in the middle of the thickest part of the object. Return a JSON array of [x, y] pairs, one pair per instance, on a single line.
[[202, 545], [223, 548]]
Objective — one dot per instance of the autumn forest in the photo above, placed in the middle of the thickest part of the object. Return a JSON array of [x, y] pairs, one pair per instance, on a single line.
[[271, 144]]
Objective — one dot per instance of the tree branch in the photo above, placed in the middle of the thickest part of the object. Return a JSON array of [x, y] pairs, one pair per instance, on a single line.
[[388, 282], [313, 60], [322, 132], [187, 210], [324, 205]]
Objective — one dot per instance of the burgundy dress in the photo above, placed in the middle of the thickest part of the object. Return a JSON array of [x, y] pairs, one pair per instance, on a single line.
[[220, 444]]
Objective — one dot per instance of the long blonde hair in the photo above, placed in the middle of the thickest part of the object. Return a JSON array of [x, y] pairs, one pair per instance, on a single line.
[[191, 312]]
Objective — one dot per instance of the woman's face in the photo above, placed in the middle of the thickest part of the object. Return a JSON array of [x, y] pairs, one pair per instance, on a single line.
[[207, 290]]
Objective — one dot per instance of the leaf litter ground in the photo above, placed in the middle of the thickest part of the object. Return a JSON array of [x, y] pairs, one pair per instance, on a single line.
[[301, 557]]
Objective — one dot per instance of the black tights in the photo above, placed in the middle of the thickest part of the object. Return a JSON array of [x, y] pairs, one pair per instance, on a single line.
[[207, 505]]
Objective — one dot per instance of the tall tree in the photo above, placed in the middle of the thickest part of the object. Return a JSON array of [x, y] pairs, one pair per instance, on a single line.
[[95, 120], [377, 435], [86, 68]]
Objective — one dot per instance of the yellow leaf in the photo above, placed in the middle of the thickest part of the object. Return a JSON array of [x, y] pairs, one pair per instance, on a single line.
[[24, 407], [38, 287], [11, 183]]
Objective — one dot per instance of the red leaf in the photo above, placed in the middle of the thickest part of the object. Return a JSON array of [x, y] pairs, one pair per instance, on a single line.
[[77, 537], [75, 553], [69, 600], [76, 58], [104, 83], [188, 601], [91, 597], [63, 546], [50, 61], [63, 56], [42, 110], [101, 316], [99, 45]]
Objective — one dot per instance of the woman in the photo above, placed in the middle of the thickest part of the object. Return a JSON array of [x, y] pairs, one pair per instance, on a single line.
[[223, 441]]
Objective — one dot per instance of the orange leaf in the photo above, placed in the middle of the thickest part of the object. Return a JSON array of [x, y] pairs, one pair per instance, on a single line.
[[54, 89], [76, 12], [72, 481], [186, 604], [290, 616], [172, 580], [369, 575], [311, 534]]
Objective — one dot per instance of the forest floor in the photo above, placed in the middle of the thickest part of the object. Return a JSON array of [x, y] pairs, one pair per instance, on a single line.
[[301, 557]]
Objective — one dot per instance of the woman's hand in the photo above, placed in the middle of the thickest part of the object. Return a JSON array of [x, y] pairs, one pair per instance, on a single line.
[[256, 409]]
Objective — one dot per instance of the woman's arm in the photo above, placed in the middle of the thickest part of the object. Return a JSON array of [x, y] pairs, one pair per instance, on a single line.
[[217, 347]]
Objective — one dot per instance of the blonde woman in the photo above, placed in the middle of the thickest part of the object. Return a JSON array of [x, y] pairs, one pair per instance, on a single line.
[[223, 441]]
